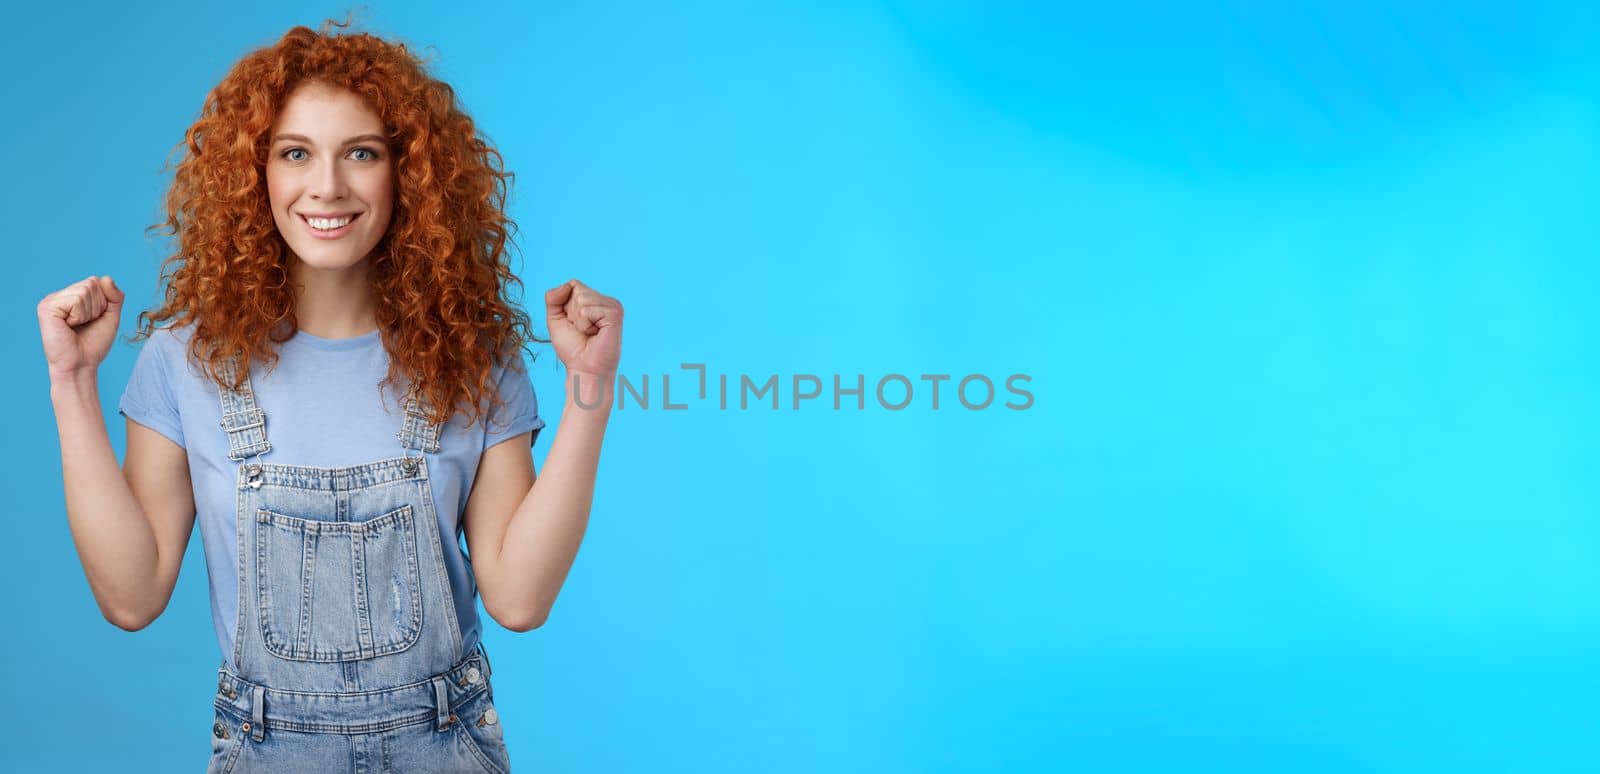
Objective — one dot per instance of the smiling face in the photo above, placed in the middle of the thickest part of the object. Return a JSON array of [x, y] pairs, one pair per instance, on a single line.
[[330, 177]]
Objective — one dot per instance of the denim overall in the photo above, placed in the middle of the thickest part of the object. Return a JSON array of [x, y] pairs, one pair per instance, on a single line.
[[347, 654]]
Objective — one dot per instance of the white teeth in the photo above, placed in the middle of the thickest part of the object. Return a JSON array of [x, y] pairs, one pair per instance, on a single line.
[[329, 224]]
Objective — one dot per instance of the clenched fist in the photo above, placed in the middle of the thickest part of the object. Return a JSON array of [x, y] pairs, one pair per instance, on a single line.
[[78, 324], [585, 328]]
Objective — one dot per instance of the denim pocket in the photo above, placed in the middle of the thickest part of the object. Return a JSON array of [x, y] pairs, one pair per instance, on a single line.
[[478, 727], [337, 590]]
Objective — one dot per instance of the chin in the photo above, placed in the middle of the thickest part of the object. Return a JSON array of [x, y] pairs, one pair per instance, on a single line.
[[311, 259]]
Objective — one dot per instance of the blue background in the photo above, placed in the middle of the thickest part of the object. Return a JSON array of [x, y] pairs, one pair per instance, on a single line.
[[1305, 290]]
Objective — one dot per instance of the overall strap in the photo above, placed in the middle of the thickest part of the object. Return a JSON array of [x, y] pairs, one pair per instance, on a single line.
[[416, 432], [246, 423], [243, 421]]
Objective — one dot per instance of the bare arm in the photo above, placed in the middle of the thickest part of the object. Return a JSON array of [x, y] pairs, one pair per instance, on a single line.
[[524, 534], [130, 525], [524, 531]]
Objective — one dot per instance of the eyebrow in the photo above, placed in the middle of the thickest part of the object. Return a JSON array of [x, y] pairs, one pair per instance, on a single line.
[[352, 141]]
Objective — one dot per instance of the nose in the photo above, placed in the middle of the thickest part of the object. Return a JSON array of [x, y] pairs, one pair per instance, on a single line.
[[327, 181]]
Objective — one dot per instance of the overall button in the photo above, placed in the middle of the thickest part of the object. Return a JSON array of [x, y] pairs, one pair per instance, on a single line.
[[410, 465], [252, 470], [473, 675], [218, 731], [490, 717]]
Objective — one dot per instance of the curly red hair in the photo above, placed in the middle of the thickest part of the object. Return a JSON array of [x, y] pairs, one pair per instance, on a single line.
[[440, 273]]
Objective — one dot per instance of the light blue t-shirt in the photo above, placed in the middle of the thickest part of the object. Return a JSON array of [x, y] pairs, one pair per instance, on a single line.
[[323, 409]]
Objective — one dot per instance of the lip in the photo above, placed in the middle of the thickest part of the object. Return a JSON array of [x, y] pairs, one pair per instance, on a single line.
[[334, 234]]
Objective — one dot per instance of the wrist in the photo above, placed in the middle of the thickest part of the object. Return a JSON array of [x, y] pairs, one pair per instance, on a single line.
[[74, 384], [607, 377], [589, 390]]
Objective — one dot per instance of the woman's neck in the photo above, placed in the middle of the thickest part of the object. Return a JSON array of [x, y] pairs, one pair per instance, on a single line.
[[333, 303]]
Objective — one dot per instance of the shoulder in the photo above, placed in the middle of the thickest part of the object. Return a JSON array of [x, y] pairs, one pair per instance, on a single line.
[[518, 408], [512, 379], [170, 344], [507, 367]]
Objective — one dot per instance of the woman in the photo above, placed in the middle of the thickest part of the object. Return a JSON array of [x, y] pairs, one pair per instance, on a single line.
[[339, 395]]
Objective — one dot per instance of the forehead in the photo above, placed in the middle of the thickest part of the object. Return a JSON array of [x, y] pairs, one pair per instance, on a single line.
[[316, 109]]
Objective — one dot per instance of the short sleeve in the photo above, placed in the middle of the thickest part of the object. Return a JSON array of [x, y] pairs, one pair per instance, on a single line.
[[520, 411], [148, 398]]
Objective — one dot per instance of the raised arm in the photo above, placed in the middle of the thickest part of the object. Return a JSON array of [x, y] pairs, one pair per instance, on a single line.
[[524, 531], [132, 524]]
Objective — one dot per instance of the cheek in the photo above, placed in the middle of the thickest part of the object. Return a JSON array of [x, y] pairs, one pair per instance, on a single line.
[[383, 199], [385, 189], [380, 196], [275, 191]]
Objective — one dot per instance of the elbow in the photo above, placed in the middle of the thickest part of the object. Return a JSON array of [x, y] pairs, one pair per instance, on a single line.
[[522, 620], [128, 620], [130, 616]]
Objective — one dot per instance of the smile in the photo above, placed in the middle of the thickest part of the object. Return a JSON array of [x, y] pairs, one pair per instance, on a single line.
[[329, 228]]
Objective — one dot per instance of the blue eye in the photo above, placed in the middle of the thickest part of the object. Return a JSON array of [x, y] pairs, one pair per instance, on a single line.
[[372, 155]]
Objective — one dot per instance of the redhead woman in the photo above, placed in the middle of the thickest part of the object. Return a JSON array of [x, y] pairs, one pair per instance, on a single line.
[[333, 389]]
